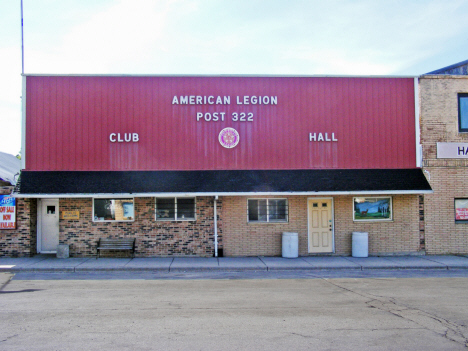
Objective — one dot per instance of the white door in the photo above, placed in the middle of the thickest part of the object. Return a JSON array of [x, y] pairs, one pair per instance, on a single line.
[[48, 226], [320, 225]]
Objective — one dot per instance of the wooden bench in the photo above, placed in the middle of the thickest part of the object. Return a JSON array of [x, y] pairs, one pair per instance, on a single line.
[[115, 244]]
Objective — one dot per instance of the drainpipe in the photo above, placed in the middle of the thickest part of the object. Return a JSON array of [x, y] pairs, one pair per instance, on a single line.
[[215, 227]]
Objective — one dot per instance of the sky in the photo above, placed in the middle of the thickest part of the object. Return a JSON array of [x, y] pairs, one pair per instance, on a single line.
[[262, 37]]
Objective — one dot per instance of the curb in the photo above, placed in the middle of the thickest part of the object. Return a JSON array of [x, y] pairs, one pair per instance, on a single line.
[[220, 269]]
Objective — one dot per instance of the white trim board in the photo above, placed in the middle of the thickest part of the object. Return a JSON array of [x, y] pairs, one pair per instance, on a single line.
[[283, 193]]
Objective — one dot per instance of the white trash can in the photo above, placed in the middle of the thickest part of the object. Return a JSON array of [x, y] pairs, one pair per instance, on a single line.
[[360, 244], [290, 245]]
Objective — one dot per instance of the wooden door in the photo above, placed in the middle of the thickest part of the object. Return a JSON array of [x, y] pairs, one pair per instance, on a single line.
[[320, 225]]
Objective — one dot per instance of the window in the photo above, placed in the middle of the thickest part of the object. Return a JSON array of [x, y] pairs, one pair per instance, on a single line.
[[113, 210], [463, 112], [267, 210], [461, 210], [372, 209], [173, 208]]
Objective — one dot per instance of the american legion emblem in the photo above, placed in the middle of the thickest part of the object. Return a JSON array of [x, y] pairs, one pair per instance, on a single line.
[[228, 137]]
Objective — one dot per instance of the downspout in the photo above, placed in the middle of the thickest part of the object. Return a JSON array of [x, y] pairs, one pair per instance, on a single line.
[[215, 227]]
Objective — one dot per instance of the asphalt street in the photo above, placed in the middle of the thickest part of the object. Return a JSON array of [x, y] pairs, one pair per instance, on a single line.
[[411, 310]]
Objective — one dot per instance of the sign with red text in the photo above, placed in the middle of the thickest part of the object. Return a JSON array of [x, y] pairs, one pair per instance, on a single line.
[[7, 212], [461, 209]]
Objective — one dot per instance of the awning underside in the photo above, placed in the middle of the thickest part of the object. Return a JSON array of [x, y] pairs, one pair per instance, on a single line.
[[34, 183]]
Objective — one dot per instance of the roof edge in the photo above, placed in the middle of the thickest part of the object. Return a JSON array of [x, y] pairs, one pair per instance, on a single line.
[[221, 75], [282, 193]]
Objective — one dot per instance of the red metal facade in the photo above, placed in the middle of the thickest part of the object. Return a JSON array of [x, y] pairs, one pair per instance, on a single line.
[[70, 119]]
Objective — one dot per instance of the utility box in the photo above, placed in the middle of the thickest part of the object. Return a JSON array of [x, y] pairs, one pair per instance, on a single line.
[[290, 245]]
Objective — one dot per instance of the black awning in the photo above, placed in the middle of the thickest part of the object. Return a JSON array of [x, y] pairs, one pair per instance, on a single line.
[[37, 183]]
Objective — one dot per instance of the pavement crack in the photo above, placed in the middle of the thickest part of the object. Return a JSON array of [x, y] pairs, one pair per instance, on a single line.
[[10, 276], [8, 338], [426, 320]]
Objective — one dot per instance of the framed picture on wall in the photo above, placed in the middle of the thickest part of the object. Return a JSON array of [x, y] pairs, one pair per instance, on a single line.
[[372, 209]]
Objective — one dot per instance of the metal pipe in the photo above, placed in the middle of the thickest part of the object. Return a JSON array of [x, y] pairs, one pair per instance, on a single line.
[[22, 44], [215, 215]]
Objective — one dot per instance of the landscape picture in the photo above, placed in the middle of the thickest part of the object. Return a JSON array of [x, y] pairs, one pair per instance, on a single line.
[[372, 208]]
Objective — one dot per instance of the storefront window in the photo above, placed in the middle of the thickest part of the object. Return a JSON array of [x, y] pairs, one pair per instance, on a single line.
[[267, 210], [461, 210], [171, 209], [372, 209], [113, 210], [463, 112]]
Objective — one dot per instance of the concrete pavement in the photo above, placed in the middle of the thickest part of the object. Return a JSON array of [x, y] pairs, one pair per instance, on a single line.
[[49, 263], [243, 314]]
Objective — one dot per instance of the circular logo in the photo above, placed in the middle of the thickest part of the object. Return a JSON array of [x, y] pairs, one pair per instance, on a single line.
[[228, 137]]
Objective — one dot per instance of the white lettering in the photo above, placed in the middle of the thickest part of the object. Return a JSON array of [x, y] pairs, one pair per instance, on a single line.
[[214, 117], [224, 100], [320, 137], [127, 137]]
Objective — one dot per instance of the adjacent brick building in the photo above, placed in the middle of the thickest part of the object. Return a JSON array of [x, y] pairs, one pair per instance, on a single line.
[[444, 138]]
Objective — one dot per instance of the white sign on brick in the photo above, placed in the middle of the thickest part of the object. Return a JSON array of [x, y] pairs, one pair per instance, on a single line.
[[452, 150]]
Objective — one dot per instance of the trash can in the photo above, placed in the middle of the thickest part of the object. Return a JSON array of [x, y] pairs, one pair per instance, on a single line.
[[290, 245], [360, 244]]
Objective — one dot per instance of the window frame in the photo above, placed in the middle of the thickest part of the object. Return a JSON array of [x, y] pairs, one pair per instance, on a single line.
[[455, 209], [113, 220], [390, 219], [175, 219], [460, 129], [268, 214]]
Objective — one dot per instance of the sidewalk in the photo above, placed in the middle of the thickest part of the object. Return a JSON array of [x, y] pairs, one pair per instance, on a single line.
[[49, 263]]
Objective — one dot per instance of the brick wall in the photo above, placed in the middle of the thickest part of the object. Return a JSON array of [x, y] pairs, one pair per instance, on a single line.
[[153, 238], [20, 242], [236, 236], [439, 123], [400, 236]]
